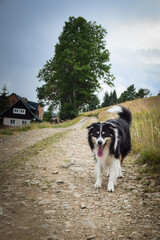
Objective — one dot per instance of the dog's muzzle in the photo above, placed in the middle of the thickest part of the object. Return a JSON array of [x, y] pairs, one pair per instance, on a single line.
[[100, 148], [100, 151]]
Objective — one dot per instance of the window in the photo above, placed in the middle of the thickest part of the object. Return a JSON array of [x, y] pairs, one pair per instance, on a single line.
[[22, 111], [12, 121], [15, 110], [19, 111], [24, 122]]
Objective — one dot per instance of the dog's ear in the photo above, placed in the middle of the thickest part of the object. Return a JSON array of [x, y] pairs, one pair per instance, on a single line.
[[91, 126]]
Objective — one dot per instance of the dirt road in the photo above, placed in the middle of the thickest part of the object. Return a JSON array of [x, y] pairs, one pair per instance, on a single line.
[[52, 196]]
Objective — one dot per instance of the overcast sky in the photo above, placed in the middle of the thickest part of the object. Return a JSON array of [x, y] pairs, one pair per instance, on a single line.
[[29, 30]]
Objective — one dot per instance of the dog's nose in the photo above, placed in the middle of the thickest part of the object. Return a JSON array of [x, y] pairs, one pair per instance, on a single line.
[[99, 142]]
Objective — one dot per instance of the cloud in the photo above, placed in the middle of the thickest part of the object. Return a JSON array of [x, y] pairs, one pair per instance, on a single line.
[[135, 54], [135, 35], [30, 30], [149, 56]]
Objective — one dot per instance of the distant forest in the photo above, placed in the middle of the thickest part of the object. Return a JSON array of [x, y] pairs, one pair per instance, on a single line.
[[112, 99]]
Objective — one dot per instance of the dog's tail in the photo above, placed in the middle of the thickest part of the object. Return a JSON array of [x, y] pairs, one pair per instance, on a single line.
[[123, 112]]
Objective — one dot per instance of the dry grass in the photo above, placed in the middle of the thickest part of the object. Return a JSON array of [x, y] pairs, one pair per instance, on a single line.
[[33, 126], [21, 157], [145, 129]]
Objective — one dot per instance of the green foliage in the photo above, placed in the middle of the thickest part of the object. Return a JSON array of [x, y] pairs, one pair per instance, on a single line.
[[109, 100], [4, 103], [142, 93], [94, 103], [47, 116], [113, 98], [150, 156], [68, 111], [80, 60], [106, 100], [131, 94], [128, 95]]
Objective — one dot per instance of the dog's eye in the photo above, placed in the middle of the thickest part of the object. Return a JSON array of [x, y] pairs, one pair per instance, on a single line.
[[103, 133], [97, 132]]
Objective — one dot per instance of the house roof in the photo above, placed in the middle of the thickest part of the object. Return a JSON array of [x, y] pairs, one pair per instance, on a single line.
[[33, 105], [27, 106], [16, 95], [34, 116]]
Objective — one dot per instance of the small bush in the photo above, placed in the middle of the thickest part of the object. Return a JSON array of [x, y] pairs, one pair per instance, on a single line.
[[68, 111], [152, 158]]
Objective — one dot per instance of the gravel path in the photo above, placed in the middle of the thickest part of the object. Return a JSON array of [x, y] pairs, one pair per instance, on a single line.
[[9, 145], [52, 196]]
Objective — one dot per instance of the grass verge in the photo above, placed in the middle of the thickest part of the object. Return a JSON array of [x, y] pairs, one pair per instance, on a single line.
[[145, 130], [34, 126], [145, 133], [19, 159]]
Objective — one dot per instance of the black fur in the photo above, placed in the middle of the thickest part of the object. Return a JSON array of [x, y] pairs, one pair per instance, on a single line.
[[117, 129]]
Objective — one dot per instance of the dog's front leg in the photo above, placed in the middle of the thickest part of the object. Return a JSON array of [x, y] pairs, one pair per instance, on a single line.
[[115, 169], [98, 172]]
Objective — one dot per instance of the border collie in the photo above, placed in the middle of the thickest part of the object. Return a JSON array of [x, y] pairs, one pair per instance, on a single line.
[[110, 142]]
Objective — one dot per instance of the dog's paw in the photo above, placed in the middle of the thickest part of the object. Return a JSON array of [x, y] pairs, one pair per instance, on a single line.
[[110, 187], [97, 184], [120, 176]]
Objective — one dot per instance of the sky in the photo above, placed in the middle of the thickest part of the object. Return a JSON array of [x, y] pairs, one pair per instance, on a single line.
[[29, 31]]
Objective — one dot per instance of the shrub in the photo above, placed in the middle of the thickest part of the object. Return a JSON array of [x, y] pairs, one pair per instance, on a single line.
[[68, 111]]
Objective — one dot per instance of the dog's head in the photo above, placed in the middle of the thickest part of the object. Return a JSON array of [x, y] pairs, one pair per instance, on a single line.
[[99, 136]]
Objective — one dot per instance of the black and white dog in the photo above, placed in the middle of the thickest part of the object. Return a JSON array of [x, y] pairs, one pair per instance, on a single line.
[[110, 142]]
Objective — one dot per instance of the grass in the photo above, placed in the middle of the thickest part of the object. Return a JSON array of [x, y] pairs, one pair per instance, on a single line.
[[145, 133], [145, 130], [23, 156], [68, 123], [35, 126]]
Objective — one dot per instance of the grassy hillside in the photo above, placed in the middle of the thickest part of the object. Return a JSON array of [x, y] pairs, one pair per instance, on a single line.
[[145, 129]]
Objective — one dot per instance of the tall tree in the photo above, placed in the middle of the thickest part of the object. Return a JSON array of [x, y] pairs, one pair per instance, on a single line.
[[128, 95], [4, 103], [142, 93], [106, 100], [131, 94], [109, 99], [94, 103], [72, 76], [113, 97]]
